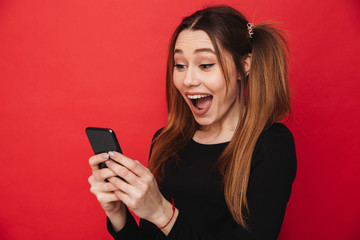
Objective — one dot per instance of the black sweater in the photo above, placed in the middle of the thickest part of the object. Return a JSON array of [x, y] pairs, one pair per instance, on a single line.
[[198, 192]]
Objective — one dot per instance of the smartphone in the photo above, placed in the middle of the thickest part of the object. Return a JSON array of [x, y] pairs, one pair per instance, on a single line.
[[102, 140]]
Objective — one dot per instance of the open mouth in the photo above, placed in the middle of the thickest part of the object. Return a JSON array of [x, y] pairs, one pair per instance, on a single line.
[[200, 101]]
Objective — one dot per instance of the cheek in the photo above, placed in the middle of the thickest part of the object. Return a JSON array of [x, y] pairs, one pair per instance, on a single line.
[[216, 84], [225, 93], [177, 81], [233, 92]]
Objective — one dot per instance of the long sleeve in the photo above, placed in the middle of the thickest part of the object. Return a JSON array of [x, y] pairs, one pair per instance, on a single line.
[[129, 231], [272, 174]]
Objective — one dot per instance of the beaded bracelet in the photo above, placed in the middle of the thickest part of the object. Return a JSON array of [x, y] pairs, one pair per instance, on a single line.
[[173, 209]]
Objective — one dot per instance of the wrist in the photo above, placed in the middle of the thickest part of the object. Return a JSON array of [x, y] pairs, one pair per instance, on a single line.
[[167, 219], [121, 210], [164, 214], [118, 218]]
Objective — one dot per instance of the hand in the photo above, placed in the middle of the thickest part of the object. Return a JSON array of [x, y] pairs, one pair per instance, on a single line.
[[104, 191], [139, 191]]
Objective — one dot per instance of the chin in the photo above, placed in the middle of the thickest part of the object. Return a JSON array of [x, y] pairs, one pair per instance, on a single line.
[[203, 121]]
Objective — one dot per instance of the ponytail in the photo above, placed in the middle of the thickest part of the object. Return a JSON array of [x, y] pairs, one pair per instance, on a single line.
[[268, 79], [267, 101]]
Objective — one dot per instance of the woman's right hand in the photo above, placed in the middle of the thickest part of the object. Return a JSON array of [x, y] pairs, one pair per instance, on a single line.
[[104, 191]]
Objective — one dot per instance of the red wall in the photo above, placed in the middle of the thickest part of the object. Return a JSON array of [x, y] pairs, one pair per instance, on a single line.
[[66, 64]]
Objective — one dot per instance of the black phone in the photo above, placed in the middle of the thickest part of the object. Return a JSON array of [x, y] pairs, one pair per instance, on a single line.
[[102, 140]]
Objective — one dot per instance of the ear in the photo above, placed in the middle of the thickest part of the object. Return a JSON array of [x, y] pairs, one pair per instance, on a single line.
[[246, 65]]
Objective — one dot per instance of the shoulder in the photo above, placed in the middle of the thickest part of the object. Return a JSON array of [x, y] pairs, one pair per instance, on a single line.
[[157, 133], [276, 147], [276, 135]]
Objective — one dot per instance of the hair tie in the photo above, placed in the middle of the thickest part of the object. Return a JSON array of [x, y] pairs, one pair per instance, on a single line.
[[250, 29]]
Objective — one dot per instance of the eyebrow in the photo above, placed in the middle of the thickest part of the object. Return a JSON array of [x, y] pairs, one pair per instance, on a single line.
[[199, 50], [204, 50]]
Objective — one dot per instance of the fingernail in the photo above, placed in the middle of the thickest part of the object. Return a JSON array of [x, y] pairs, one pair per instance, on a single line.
[[105, 156], [111, 154], [107, 162]]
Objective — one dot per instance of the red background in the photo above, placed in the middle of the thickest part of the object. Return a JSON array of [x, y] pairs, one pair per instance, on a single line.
[[67, 64]]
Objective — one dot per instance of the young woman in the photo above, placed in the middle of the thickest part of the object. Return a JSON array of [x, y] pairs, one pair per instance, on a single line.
[[222, 167]]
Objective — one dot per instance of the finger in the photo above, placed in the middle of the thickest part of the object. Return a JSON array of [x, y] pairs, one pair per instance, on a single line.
[[102, 174], [122, 185], [123, 197], [103, 188], [109, 187], [96, 159], [105, 198], [130, 164], [124, 173]]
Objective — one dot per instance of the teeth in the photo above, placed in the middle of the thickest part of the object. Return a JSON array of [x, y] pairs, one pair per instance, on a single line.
[[198, 96]]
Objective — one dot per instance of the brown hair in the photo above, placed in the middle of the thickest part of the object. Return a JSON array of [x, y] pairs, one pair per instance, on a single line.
[[264, 96]]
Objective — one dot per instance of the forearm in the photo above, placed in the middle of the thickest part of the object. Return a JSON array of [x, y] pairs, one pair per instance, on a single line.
[[118, 219]]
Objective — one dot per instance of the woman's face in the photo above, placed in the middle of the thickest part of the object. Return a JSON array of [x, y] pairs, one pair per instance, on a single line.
[[198, 77]]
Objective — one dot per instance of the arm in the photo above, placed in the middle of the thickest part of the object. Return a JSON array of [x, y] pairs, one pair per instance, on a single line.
[[120, 222], [104, 192], [140, 192], [129, 231], [140, 188], [272, 174]]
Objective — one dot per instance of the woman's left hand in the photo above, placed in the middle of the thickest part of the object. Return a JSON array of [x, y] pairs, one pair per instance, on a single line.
[[140, 192]]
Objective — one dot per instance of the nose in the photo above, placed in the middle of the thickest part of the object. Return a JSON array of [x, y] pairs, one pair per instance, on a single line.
[[191, 78]]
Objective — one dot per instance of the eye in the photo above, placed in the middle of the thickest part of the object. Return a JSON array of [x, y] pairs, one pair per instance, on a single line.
[[180, 66], [206, 66]]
